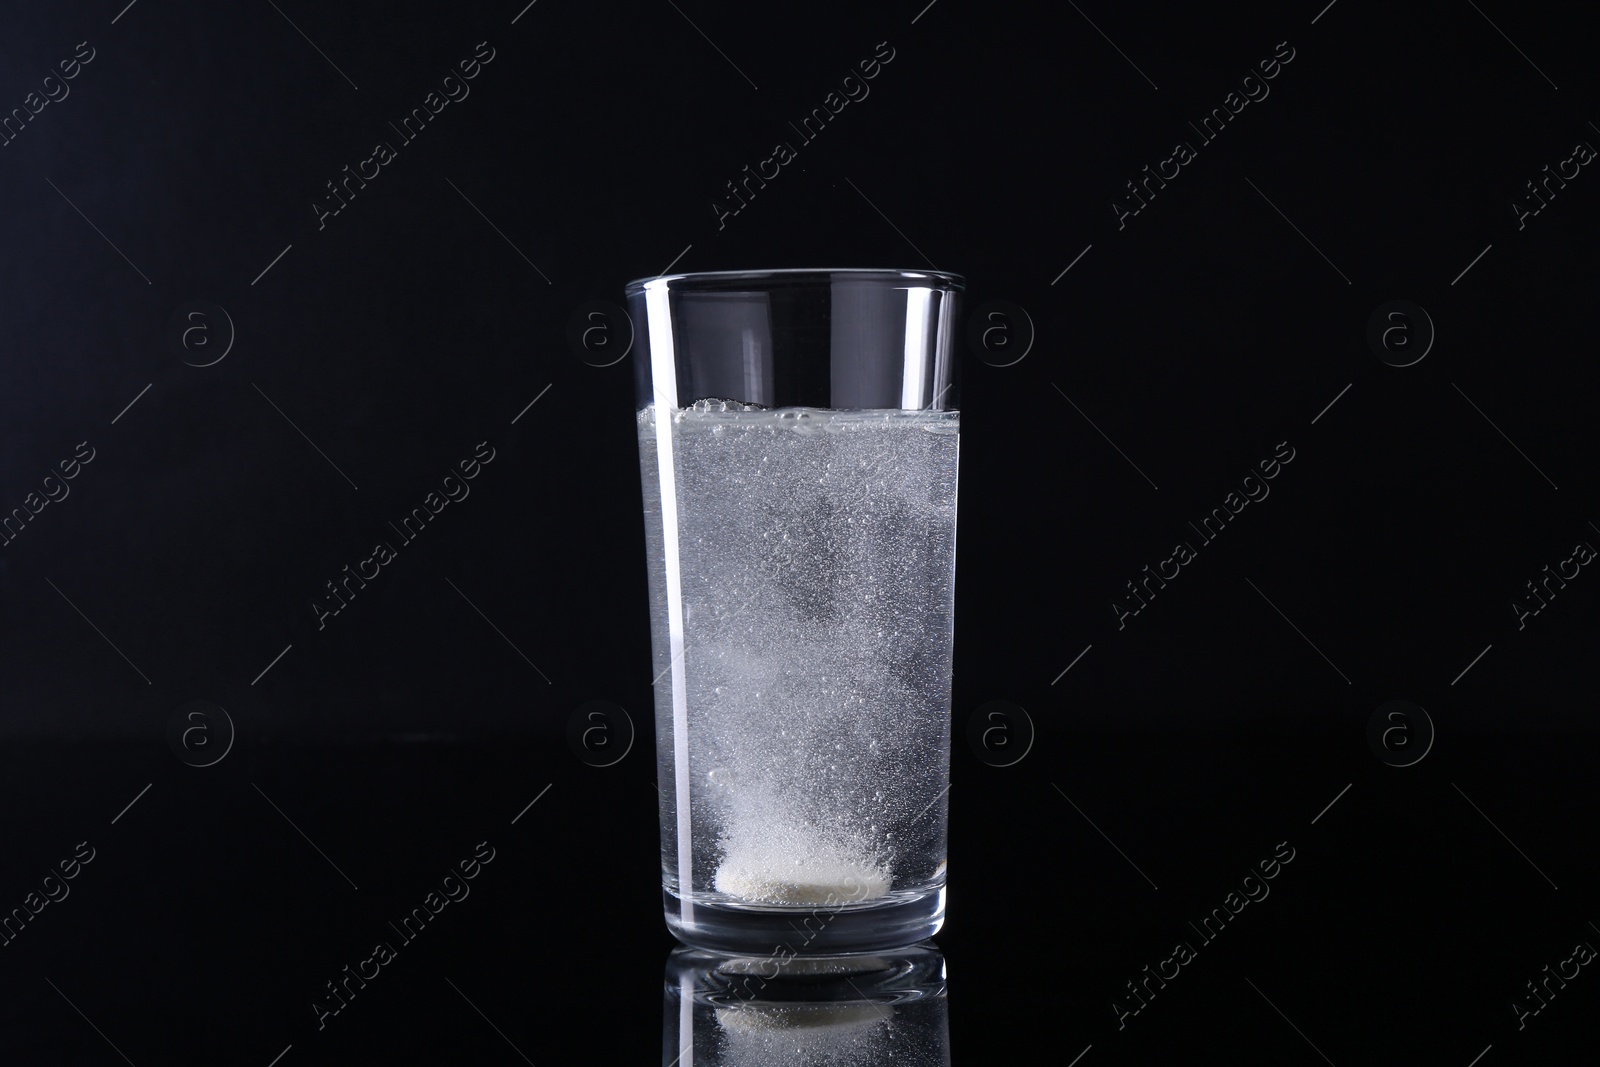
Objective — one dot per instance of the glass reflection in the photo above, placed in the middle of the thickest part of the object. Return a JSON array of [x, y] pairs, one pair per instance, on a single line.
[[860, 1010]]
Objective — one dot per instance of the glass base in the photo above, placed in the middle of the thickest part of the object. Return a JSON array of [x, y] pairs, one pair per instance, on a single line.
[[895, 921]]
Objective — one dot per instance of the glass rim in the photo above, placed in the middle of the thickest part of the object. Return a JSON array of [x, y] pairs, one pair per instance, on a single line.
[[726, 279]]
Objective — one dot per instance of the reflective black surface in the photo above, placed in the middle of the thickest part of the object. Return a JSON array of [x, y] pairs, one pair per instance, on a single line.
[[1159, 338]]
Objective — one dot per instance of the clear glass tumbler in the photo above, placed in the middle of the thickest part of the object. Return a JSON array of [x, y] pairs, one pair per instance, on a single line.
[[798, 438]]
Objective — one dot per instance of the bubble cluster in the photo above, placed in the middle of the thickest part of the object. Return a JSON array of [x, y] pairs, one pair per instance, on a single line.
[[816, 554]]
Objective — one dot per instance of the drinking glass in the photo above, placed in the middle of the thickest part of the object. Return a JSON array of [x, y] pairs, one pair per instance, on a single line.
[[798, 439]]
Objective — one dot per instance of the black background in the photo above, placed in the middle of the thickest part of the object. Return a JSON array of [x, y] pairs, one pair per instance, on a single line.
[[1224, 318]]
